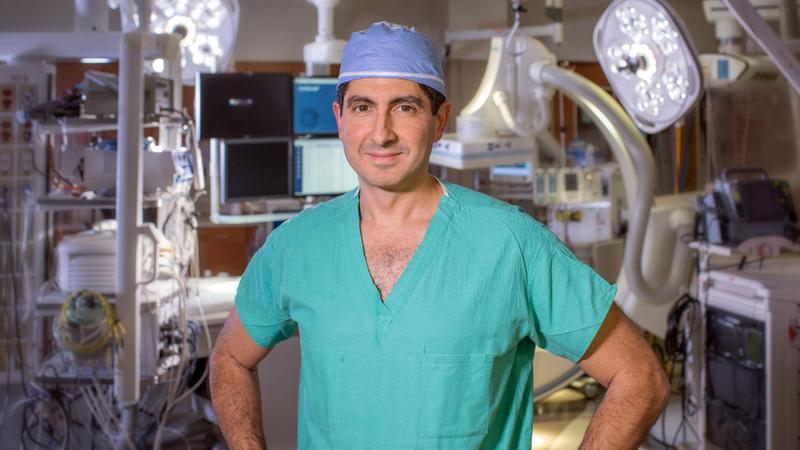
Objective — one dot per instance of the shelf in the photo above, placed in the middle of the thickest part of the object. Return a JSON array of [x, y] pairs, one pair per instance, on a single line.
[[71, 45], [714, 249], [50, 303], [52, 204], [59, 372], [71, 125], [59, 45]]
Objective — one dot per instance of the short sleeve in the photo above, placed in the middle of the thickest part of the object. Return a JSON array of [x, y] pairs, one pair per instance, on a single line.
[[569, 300], [257, 302]]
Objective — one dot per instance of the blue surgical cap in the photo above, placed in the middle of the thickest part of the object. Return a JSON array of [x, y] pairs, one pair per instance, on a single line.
[[386, 50]]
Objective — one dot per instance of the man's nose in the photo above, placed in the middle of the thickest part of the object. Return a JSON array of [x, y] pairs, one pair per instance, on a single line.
[[383, 133]]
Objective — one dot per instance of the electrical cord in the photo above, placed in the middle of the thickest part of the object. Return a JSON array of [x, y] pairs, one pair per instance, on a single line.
[[60, 181], [14, 309], [45, 398], [81, 334], [34, 423], [176, 385], [682, 326], [516, 6], [193, 145], [29, 298], [682, 318]]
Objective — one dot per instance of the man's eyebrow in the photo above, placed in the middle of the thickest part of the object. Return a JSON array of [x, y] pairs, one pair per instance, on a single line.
[[413, 99], [407, 99], [359, 98]]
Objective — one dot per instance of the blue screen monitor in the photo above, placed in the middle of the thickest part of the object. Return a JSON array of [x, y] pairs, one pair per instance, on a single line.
[[320, 168], [313, 113], [520, 172]]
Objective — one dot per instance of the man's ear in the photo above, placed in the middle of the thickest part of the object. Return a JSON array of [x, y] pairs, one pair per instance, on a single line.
[[337, 114], [441, 119]]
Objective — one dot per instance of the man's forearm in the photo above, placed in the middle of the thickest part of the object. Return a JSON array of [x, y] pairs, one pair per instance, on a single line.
[[236, 398], [628, 411]]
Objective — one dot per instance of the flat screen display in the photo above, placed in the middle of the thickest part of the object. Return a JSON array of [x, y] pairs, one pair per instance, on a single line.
[[540, 183], [761, 201], [313, 100], [239, 105], [552, 183], [523, 171], [571, 182], [320, 168], [255, 168]]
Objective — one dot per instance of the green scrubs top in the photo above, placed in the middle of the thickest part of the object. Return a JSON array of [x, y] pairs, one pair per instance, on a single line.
[[445, 361]]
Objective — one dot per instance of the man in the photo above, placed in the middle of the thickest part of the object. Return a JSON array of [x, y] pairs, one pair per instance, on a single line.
[[420, 303]]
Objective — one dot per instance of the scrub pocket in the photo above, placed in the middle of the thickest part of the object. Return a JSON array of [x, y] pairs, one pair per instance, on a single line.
[[455, 395], [367, 390]]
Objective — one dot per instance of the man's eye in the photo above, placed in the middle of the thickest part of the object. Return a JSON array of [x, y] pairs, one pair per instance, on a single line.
[[407, 108], [361, 108]]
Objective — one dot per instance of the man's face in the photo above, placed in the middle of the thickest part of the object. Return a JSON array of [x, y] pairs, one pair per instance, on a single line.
[[387, 129]]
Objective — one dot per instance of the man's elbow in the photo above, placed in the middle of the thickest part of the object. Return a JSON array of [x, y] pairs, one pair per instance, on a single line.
[[646, 382], [216, 363], [220, 362], [216, 356], [666, 391], [216, 359], [660, 389]]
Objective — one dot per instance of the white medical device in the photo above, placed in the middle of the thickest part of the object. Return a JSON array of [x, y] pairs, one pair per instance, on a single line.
[[748, 379], [579, 185], [521, 173], [583, 223], [501, 123], [480, 152], [87, 260]]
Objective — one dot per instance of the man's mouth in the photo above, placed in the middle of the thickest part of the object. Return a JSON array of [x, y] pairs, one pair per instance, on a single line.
[[383, 156]]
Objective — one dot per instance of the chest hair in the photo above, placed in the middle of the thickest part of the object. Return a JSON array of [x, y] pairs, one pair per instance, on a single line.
[[387, 260]]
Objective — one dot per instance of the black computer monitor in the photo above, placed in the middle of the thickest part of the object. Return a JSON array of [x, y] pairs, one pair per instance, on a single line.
[[320, 168], [239, 105], [255, 169]]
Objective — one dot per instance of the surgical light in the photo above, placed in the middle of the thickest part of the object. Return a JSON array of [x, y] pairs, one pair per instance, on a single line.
[[208, 29], [649, 60], [159, 65]]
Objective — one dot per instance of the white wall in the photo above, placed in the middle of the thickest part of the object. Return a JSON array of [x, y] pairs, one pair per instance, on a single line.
[[269, 30], [275, 30], [580, 17], [38, 15]]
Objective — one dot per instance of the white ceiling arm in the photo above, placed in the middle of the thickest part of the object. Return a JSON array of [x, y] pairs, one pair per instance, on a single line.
[[760, 31], [325, 49]]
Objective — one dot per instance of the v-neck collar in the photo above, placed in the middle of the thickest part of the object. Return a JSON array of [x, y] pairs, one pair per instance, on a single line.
[[405, 284]]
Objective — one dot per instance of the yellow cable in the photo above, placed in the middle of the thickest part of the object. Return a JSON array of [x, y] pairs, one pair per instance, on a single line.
[[113, 332]]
